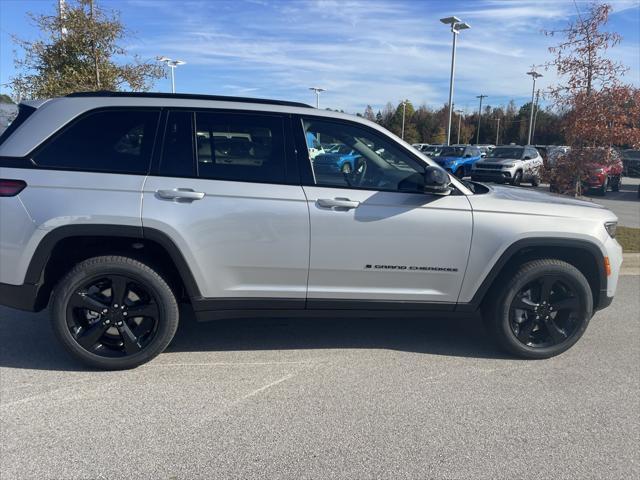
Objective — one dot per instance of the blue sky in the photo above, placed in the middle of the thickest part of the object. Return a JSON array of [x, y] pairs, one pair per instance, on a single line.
[[362, 51]]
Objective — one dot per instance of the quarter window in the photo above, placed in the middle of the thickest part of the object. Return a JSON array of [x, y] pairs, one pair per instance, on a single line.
[[240, 147], [118, 141]]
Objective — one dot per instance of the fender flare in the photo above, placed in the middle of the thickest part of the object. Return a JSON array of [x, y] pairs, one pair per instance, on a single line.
[[42, 254], [520, 245]]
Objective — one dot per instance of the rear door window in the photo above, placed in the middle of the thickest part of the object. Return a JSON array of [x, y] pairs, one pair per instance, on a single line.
[[240, 147], [118, 141]]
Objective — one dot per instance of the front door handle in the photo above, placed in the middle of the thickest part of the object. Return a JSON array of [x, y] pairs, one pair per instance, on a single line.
[[180, 194], [338, 203]]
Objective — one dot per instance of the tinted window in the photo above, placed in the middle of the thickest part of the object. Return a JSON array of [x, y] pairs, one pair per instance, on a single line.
[[240, 147], [361, 158], [177, 151], [111, 140]]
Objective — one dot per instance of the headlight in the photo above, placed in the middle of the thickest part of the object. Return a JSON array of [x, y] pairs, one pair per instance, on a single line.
[[507, 165], [610, 227]]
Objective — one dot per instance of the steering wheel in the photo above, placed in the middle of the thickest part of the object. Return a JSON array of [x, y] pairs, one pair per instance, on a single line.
[[356, 177]]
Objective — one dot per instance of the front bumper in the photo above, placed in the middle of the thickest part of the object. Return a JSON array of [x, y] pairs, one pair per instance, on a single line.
[[499, 176]]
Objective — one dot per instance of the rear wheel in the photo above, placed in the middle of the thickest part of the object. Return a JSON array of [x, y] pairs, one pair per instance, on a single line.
[[544, 310], [460, 172], [535, 181], [114, 312]]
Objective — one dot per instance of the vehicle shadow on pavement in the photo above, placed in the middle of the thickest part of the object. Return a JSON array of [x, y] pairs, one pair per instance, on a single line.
[[28, 341], [454, 336]]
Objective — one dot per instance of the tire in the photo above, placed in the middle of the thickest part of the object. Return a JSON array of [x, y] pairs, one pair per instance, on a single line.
[[535, 181], [346, 168], [602, 191], [459, 172], [501, 314], [517, 179], [615, 187], [127, 340]]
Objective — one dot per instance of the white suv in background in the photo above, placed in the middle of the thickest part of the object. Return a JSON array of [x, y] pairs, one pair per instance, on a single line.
[[509, 164]]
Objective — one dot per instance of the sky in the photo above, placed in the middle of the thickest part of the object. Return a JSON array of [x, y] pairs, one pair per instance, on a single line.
[[361, 51]]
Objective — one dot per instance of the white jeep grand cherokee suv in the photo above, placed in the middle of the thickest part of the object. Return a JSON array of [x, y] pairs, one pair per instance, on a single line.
[[509, 164], [116, 207]]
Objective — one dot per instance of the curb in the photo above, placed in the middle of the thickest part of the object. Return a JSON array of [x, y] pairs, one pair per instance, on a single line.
[[630, 264]]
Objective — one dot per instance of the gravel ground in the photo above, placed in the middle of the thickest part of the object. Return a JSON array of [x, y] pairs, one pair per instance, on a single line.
[[328, 398]]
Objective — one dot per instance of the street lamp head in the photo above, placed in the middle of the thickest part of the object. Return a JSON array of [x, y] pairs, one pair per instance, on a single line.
[[175, 63], [450, 20], [461, 26], [317, 89], [534, 74], [163, 59]]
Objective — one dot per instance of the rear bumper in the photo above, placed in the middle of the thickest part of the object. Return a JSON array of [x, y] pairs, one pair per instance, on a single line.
[[22, 297]]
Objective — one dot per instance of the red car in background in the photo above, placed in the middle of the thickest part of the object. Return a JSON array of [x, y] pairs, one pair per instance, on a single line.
[[603, 174]]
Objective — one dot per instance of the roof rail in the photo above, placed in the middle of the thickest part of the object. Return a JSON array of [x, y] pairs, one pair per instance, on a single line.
[[193, 96]]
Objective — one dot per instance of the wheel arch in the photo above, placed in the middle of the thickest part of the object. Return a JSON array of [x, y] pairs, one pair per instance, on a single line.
[[65, 246], [586, 256]]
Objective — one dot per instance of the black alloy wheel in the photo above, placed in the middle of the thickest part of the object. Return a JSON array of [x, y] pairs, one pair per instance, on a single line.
[[113, 316], [114, 312], [545, 312], [539, 310]]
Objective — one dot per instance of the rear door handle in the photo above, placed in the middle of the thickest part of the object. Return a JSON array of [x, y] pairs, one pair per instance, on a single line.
[[180, 194], [338, 203]]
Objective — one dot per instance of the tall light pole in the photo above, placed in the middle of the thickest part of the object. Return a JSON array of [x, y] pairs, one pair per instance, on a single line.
[[479, 117], [535, 117], [456, 26], [317, 91], [535, 75], [459, 112], [497, 130], [172, 64], [404, 112]]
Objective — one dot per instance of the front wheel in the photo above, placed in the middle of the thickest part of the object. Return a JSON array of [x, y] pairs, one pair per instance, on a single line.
[[517, 179], [543, 311], [615, 187], [114, 312]]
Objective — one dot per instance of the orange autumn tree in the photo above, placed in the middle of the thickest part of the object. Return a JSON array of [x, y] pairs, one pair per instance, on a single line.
[[600, 111]]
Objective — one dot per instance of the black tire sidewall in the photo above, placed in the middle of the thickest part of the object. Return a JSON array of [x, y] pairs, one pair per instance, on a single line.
[[100, 266], [501, 317], [517, 179]]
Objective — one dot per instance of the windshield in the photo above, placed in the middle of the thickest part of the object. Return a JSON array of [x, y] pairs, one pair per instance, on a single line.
[[515, 152], [452, 152]]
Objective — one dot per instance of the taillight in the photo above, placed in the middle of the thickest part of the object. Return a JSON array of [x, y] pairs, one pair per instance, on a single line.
[[10, 188]]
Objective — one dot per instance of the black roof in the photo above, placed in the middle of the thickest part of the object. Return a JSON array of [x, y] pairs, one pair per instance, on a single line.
[[193, 96]]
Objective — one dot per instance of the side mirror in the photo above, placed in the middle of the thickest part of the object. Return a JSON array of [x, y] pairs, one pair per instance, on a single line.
[[436, 181]]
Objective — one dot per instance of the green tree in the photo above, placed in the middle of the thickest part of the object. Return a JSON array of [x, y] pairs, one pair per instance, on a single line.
[[80, 49]]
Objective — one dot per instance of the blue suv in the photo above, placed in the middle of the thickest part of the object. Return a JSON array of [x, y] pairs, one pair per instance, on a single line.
[[341, 158], [457, 159]]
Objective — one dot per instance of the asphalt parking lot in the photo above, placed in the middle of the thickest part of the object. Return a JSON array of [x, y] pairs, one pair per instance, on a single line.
[[326, 398]]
